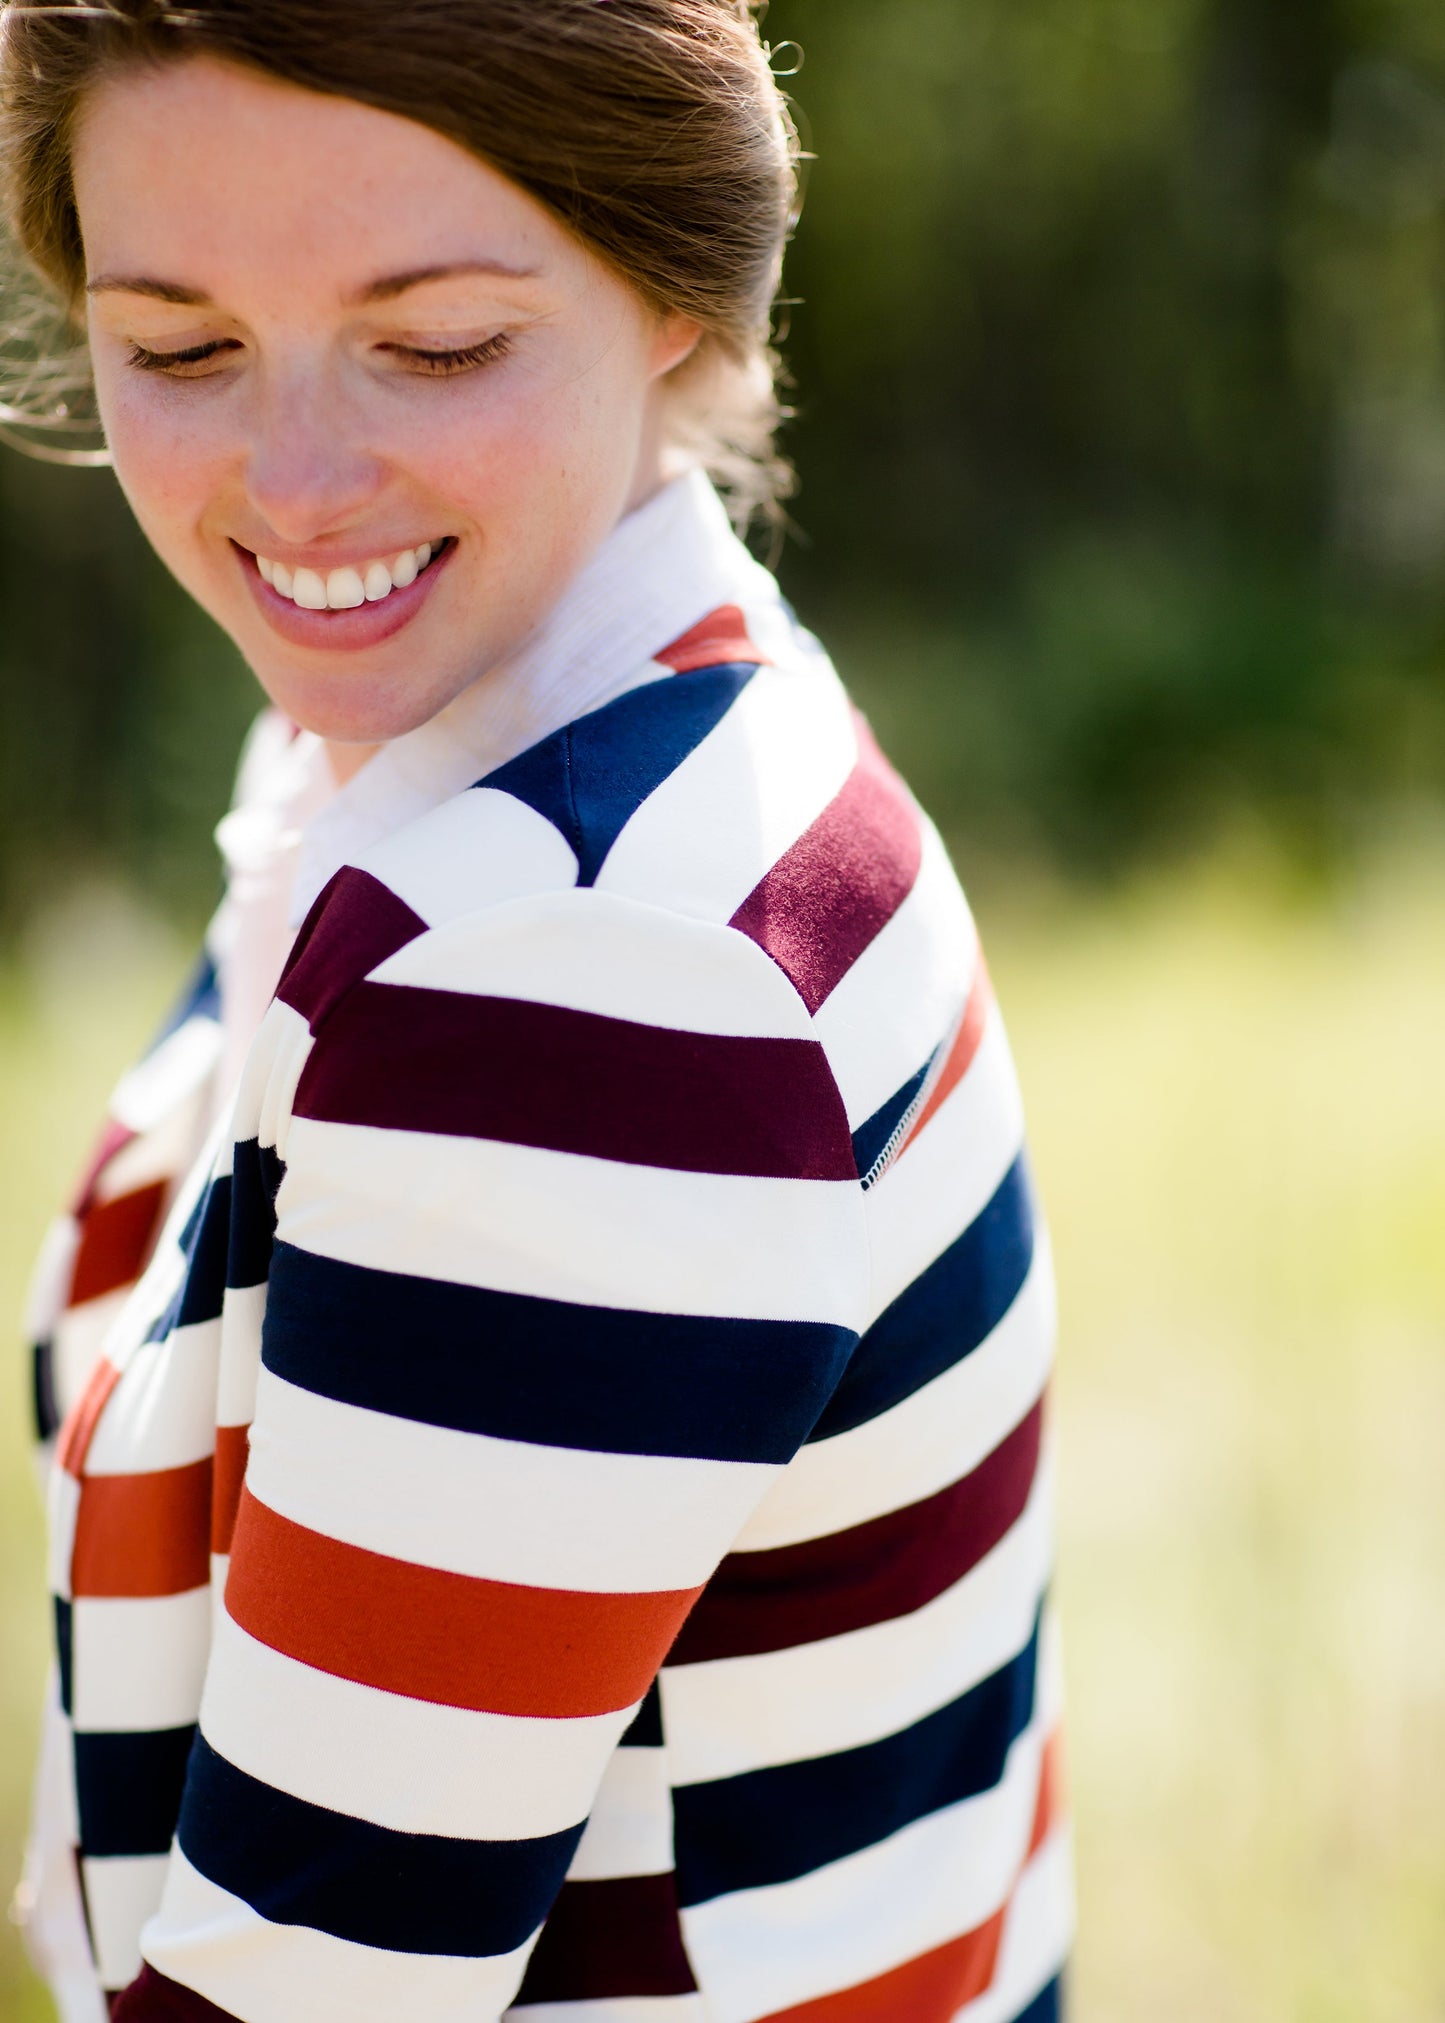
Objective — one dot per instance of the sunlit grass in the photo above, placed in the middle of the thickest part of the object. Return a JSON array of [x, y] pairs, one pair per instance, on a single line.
[[1238, 1115], [1238, 1119]]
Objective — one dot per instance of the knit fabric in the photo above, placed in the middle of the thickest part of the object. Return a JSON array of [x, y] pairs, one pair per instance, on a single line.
[[557, 1522]]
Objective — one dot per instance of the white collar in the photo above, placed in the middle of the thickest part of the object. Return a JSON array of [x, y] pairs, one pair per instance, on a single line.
[[658, 572]]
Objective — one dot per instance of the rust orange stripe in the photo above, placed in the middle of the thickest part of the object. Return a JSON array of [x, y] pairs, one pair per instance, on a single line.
[[934, 1987], [930, 1989], [115, 1242], [716, 640], [445, 1637], [143, 1535], [1050, 1808], [233, 1444], [84, 1415], [960, 1054]]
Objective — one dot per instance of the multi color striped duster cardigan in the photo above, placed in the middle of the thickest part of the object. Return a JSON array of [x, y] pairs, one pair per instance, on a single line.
[[560, 1527]]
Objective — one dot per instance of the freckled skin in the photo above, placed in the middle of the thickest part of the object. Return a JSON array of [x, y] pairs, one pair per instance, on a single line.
[[314, 435]]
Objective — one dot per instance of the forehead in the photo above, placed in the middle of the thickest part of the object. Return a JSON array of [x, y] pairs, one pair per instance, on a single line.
[[231, 180]]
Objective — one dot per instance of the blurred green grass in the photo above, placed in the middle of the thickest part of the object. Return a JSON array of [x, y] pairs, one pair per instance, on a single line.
[[1238, 1117]]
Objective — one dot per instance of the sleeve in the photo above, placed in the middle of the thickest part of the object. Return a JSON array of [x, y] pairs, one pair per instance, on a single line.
[[569, 1258]]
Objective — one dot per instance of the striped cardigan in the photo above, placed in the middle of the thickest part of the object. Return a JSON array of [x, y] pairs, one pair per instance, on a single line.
[[559, 1525]]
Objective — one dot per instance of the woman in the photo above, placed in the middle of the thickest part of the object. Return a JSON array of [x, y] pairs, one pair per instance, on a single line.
[[548, 1518]]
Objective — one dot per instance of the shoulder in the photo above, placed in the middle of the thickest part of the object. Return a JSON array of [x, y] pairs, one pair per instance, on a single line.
[[727, 830]]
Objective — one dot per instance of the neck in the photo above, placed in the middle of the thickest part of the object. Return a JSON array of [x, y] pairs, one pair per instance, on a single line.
[[346, 761]]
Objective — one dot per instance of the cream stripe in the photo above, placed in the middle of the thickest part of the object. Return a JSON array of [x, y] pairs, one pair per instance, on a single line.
[[140, 1663], [241, 1318], [630, 1830], [619, 2009], [409, 1765], [948, 1174], [762, 1950], [560, 1226], [172, 1071], [209, 1940], [733, 1715], [759, 779], [62, 1509], [926, 1442], [162, 1413], [594, 952], [1036, 1936], [493, 1509], [904, 994], [78, 1343], [163, 1152], [477, 850], [121, 1892], [50, 1277]]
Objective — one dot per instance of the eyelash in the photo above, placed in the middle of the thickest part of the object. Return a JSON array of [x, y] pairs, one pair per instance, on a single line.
[[442, 364], [166, 361], [432, 364]]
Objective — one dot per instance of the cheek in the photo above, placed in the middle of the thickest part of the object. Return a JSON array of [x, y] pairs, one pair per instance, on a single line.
[[162, 460], [558, 450]]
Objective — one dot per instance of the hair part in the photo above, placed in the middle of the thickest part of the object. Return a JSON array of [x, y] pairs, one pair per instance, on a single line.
[[653, 129]]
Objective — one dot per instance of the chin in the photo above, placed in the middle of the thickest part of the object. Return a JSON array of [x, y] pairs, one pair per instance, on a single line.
[[355, 708]]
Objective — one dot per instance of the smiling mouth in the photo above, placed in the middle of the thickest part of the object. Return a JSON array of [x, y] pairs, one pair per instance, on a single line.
[[349, 588]]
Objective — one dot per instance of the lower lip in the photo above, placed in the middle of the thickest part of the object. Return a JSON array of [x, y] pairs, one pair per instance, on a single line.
[[342, 631]]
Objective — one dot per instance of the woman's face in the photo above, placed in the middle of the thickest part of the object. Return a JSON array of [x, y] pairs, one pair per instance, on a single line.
[[335, 353]]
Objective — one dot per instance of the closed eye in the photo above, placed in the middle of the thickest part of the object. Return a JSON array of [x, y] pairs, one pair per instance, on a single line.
[[190, 363], [181, 364], [442, 364]]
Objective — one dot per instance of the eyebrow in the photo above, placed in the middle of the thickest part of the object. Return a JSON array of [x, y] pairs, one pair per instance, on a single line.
[[385, 289]]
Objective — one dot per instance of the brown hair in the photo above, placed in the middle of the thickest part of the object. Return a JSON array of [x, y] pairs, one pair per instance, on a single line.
[[652, 128]]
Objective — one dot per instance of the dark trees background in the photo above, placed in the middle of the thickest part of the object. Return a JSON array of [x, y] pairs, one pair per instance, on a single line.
[[1119, 359]]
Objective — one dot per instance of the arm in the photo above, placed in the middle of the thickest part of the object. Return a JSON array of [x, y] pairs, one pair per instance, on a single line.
[[568, 1261]]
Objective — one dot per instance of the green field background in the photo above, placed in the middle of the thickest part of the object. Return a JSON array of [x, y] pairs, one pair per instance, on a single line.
[[1238, 1119]]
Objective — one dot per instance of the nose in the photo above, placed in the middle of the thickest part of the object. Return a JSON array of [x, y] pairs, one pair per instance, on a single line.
[[309, 472]]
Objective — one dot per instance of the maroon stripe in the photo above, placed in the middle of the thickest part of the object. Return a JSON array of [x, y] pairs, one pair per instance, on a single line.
[[405, 1059], [799, 1594], [114, 1138], [841, 883], [609, 1940], [155, 1998], [356, 923]]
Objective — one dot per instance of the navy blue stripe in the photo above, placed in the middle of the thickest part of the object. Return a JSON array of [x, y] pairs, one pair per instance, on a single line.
[[544, 1371], [1046, 2007], [591, 778], [771, 1826], [944, 1315], [42, 1390], [299, 1864], [256, 1176], [129, 1789], [204, 1241], [646, 1729], [205, 1281], [227, 1238], [63, 1648], [200, 997], [870, 1139]]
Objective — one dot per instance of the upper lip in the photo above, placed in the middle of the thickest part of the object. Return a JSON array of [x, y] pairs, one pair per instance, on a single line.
[[350, 558]]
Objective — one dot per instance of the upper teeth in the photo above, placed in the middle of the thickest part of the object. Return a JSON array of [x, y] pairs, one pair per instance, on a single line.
[[344, 589]]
